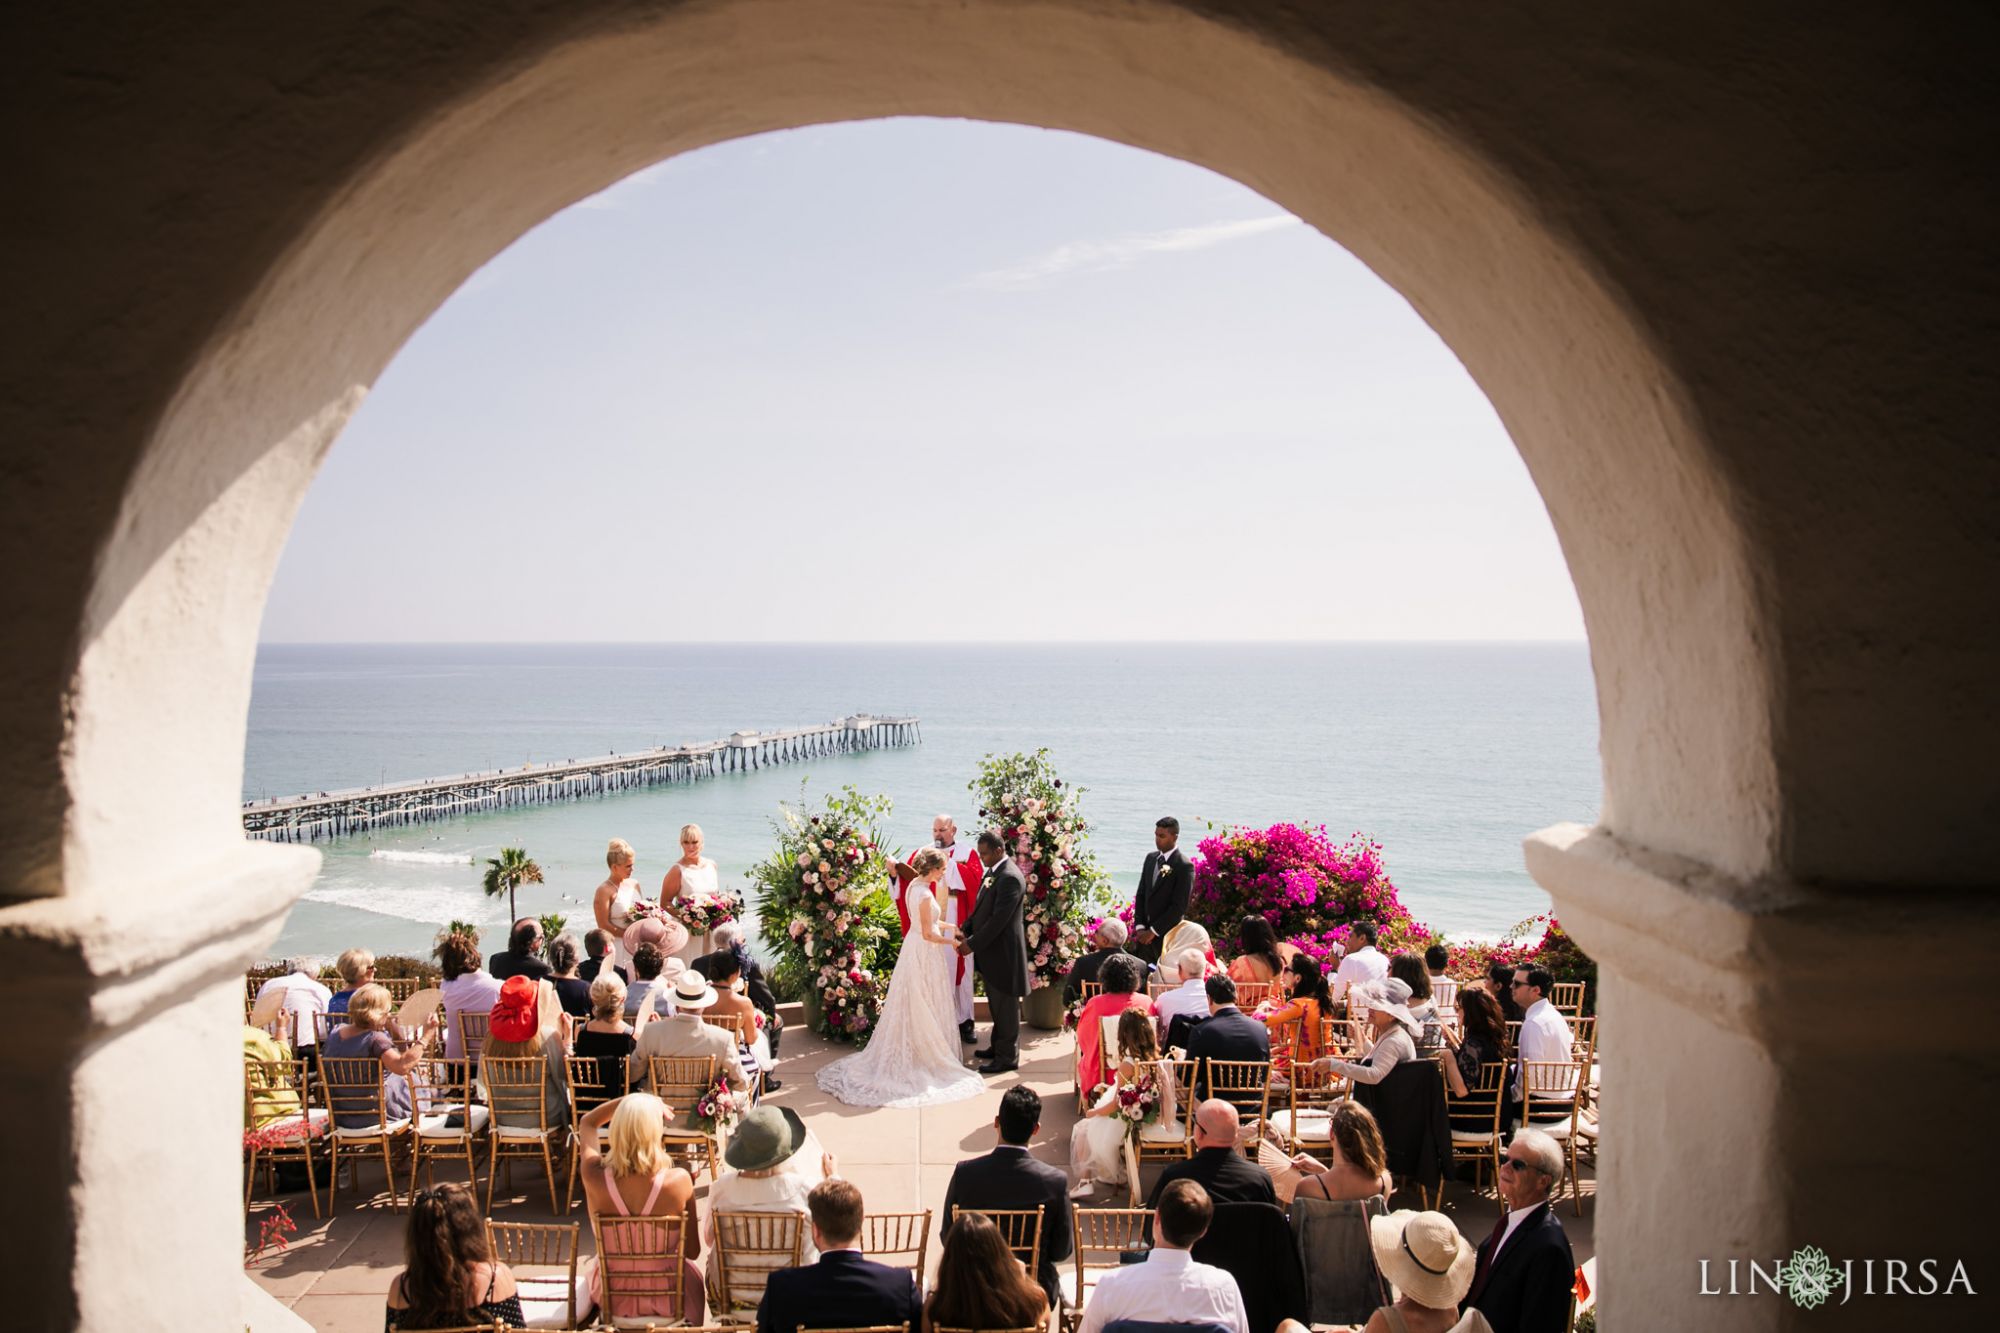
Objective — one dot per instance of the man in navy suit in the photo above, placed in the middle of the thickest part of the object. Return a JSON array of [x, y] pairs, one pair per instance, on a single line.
[[842, 1290], [1227, 1034], [1008, 1177], [1525, 1271]]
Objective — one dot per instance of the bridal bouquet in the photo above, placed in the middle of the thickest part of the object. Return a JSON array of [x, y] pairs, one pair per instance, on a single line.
[[1138, 1104], [716, 1110], [702, 915]]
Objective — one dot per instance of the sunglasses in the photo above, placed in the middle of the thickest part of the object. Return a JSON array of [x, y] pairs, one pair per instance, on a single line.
[[1518, 1163]]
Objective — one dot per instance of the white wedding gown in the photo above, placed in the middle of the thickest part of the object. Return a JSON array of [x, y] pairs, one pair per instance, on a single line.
[[913, 1059]]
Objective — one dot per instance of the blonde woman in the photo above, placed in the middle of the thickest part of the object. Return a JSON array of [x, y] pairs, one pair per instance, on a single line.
[[693, 878], [365, 1036], [638, 1178], [617, 902]]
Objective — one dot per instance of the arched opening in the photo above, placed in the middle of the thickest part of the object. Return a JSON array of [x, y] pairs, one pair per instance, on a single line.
[[1726, 779]]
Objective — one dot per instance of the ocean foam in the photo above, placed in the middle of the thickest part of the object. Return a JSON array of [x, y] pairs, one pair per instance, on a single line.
[[434, 904], [423, 858]]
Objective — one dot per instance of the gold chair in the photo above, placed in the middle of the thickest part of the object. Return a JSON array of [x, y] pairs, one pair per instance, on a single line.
[[639, 1266], [1549, 1090], [353, 1086], [734, 1022], [1021, 1228], [899, 1240], [1306, 1123], [545, 1297], [439, 1090], [748, 1248], [1102, 1239], [1086, 991], [1513, 1037], [1482, 1101], [471, 1026], [1161, 1143], [402, 988], [680, 1081], [277, 1104], [1250, 994], [588, 1090], [516, 1092], [323, 1025], [1567, 996], [1245, 1084]]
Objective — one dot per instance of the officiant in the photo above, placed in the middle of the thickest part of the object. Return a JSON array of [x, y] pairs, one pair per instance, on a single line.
[[961, 882], [1162, 897]]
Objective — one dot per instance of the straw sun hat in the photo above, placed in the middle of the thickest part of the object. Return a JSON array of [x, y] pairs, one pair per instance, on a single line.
[[667, 934], [1423, 1254], [692, 991]]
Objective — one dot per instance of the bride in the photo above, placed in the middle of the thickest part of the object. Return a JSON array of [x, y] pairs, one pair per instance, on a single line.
[[913, 1058]]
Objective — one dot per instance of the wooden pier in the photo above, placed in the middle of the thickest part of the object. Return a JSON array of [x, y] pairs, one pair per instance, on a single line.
[[340, 813]]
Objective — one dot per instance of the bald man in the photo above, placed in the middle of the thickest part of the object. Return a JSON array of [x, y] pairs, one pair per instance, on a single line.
[[1218, 1164]]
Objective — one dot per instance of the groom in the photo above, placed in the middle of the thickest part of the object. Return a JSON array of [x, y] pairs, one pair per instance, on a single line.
[[996, 938]]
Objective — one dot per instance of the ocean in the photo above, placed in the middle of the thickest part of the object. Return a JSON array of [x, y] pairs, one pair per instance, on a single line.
[[1447, 754]]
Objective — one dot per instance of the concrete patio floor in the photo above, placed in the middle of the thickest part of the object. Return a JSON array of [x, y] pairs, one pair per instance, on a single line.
[[336, 1270]]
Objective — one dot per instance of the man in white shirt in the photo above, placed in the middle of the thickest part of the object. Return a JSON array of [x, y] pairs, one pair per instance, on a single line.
[[1190, 997], [1444, 990], [1170, 1287], [1545, 1035], [304, 996], [1363, 964]]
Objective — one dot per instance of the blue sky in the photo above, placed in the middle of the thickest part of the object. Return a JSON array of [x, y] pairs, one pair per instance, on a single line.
[[922, 378]]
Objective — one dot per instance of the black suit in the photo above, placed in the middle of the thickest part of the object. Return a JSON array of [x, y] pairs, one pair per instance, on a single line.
[[1527, 1289], [507, 964], [1227, 1175], [1162, 898], [592, 966], [842, 1290], [997, 930], [1008, 1177], [1229, 1034], [1085, 969]]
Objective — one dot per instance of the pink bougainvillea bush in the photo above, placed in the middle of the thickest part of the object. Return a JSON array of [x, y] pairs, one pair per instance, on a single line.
[[1311, 888]]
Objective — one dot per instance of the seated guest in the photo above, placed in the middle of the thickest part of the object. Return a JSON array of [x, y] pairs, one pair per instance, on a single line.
[[722, 971], [1304, 1002], [764, 1179], [1190, 935], [1392, 1038], [980, 1283], [522, 956], [1362, 962], [1257, 956], [565, 961], [685, 1034], [842, 1290], [637, 1178], [597, 948], [468, 988], [271, 1098], [1481, 1040], [1097, 1141], [1122, 991], [1545, 1037], [1106, 941], [357, 969], [450, 1278], [1409, 969], [1525, 1271], [527, 1021], [1170, 1287], [1218, 1165], [1188, 998], [1360, 1166], [1008, 1177], [1430, 1265], [1229, 1033], [653, 977], [302, 995], [1444, 990], [729, 935], [606, 1039], [365, 1036], [1500, 980]]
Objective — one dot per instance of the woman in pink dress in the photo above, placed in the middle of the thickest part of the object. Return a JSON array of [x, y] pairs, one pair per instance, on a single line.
[[1121, 976], [638, 1178]]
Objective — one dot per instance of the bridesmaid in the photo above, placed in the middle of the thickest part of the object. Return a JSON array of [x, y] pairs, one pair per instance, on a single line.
[[617, 902], [691, 878]]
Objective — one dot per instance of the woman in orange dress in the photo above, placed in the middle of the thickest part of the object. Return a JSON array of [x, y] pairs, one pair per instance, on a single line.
[[1306, 1002], [1257, 957], [1121, 975]]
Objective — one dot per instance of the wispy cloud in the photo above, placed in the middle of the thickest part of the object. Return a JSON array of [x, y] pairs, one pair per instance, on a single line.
[[1122, 252]]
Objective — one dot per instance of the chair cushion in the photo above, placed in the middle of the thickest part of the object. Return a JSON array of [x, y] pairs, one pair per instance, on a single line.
[[1314, 1126], [316, 1119], [434, 1127], [1472, 1136], [374, 1131], [520, 1133], [545, 1312], [1163, 1134]]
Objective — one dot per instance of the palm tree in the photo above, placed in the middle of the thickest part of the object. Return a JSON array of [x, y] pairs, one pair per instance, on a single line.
[[509, 871]]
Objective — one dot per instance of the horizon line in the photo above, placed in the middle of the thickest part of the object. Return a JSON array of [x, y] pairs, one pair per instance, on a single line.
[[898, 643]]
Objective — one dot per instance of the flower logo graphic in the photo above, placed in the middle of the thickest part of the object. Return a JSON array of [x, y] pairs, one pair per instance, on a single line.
[[1809, 1277]]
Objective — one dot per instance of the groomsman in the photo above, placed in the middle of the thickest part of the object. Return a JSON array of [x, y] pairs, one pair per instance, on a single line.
[[961, 882], [1162, 899]]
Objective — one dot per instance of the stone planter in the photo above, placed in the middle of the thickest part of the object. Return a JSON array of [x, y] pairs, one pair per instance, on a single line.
[[1043, 1008], [815, 1013]]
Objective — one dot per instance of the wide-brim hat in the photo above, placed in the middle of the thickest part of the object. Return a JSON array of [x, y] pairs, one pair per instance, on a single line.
[[516, 1015], [1423, 1254], [1392, 996], [664, 933], [765, 1137], [692, 991]]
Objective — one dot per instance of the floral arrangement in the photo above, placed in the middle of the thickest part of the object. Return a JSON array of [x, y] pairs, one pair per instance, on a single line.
[[716, 1110], [702, 915], [277, 1224], [1042, 822], [824, 906], [1311, 889], [1138, 1104]]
